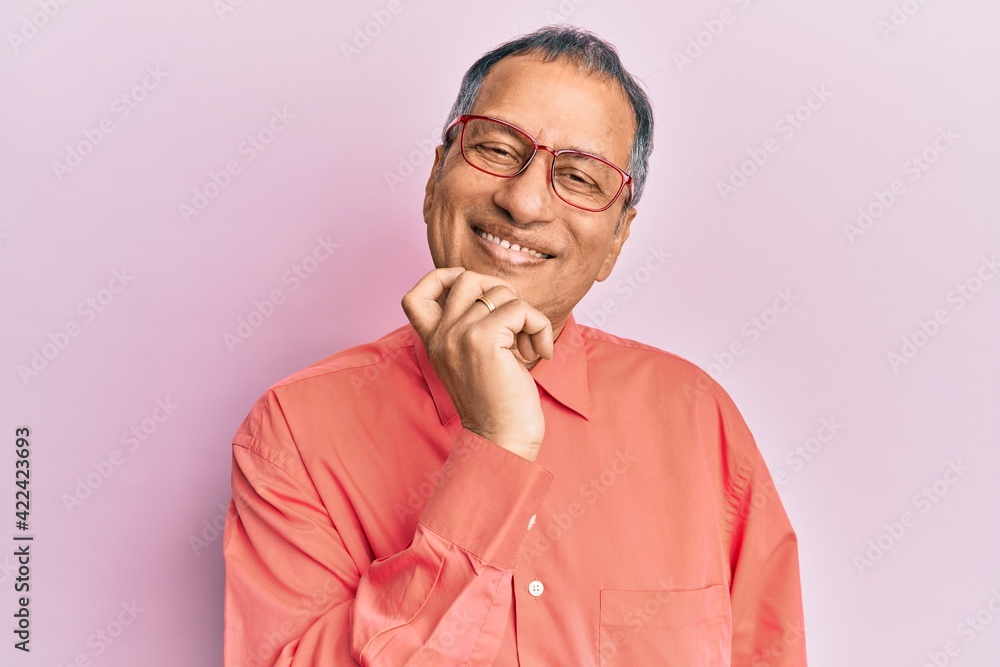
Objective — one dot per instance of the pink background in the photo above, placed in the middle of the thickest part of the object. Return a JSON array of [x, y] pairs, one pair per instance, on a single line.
[[360, 116]]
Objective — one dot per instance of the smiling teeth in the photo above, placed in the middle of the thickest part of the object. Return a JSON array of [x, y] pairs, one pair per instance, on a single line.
[[503, 243]]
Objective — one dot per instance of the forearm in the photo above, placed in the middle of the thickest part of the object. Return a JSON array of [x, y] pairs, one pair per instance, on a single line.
[[296, 597]]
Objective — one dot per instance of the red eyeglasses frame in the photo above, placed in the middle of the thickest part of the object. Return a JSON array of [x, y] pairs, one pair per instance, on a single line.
[[463, 120]]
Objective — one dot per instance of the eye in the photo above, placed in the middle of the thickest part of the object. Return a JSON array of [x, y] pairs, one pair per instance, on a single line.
[[497, 152], [576, 179]]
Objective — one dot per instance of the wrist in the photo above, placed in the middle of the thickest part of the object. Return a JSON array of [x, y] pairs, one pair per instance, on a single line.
[[525, 448]]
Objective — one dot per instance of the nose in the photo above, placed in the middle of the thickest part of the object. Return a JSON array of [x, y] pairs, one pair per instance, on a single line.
[[529, 197]]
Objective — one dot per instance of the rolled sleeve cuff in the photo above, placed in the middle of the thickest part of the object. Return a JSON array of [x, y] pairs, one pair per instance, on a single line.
[[486, 497]]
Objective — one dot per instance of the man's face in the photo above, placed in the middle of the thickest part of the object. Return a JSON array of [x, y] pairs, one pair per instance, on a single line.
[[561, 107]]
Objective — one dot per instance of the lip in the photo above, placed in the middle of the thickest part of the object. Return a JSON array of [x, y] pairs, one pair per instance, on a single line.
[[507, 255]]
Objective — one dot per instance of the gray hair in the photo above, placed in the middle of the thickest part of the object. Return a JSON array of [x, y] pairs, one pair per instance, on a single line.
[[594, 56]]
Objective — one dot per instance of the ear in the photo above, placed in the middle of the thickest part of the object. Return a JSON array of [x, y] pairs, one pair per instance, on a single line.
[[616, 243], [432, 180]]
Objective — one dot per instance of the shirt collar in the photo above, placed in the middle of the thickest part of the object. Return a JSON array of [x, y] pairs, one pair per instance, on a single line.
[[564, 377]]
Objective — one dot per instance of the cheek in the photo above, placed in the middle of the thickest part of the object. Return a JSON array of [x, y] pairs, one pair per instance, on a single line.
[[591, 246]]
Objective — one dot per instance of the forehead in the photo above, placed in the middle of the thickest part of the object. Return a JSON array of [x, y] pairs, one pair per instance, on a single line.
[[560, 105]]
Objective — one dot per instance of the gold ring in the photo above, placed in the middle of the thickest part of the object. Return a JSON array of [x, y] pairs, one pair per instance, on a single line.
[[486, 302]]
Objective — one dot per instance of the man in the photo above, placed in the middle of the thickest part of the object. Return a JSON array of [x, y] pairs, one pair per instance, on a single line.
[[496, 484]]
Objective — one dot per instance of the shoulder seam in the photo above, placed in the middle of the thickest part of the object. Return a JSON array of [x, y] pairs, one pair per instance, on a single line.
[[312, 492], [314, 372], [598, 336]]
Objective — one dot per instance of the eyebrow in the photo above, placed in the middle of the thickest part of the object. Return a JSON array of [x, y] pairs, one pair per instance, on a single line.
[[565, 148]]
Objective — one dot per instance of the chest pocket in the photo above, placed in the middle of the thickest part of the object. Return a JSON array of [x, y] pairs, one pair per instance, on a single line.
[[666, 628]]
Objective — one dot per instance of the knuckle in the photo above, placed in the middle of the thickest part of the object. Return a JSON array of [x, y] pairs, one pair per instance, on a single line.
[[449, 345], [475, 336], [504, 291], [465, 278]]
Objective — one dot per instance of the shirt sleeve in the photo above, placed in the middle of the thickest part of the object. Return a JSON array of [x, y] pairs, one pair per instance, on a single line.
[[296, 596], [765, 589]]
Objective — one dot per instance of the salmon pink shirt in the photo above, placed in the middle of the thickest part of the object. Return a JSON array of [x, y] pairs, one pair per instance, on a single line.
[[367, 527]]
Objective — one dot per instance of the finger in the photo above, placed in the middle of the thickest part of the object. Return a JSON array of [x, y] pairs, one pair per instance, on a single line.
[[421, 304], [518, 317], [525, 348], [478, 309], [467, 288]]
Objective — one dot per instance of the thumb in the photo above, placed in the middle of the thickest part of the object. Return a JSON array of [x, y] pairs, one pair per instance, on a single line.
[[423, 303]]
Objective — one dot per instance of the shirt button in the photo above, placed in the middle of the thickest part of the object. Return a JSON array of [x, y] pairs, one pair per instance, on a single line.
[[531, 521], [536, 588]]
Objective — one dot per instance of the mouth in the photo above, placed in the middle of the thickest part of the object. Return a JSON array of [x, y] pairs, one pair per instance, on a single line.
[[509, 245]]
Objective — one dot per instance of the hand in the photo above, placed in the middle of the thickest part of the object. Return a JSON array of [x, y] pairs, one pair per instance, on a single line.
[[481, 357]]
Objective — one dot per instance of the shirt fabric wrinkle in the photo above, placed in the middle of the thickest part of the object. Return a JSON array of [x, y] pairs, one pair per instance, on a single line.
[[640, 508]]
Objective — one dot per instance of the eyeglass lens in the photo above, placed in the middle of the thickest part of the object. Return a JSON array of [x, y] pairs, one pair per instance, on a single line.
[[501, 150]]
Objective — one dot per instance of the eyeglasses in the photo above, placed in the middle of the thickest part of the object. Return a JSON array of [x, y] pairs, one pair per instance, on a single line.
[[580, 179]]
